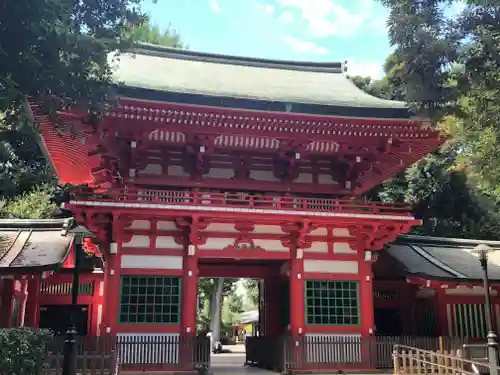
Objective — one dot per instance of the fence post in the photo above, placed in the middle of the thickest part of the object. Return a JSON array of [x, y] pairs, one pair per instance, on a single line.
[[396, 361]]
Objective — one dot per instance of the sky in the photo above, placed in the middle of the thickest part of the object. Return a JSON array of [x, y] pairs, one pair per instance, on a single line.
[[305, 30]]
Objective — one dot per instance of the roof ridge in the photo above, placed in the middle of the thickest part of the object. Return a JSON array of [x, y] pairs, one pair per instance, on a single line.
[[31, 224], [177, 53], [447, 240], [424, 254]]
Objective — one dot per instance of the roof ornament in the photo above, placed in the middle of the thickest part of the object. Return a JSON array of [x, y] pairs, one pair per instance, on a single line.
[[344, 66]]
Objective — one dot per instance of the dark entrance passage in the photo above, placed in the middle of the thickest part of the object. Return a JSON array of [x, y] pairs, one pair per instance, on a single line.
[[388, 321], [56, 318], [263, 345]]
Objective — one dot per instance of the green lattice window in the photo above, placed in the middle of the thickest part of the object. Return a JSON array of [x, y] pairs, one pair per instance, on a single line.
[[332, 302], [150, 299]]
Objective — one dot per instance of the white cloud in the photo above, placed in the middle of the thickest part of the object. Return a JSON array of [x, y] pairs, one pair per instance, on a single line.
[[286, 18], [268, 9], [215, 6], [371, 69], [303, 46], [264, 7], [325, 18]]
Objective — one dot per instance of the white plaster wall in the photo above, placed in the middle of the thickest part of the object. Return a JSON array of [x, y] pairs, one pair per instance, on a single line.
[[465, 291], [133, 352], [155, 169], [221, 228], [341, 232], [263, 176], [326, 179], [177, 171], [167, 225], [343, 248], [139, 241], [167, 262], [216, 243], [319, 232], [271, 245], [318, 247], [268, 229], [167, 242], [304, 178], [140, 224], [331, 266], [221, 173]]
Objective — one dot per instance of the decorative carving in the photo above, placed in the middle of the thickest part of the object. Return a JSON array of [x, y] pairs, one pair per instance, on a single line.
[[387, 233], [244, 244], [244, 226]]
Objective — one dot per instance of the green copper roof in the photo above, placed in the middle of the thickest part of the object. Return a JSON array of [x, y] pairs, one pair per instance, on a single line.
[[174, 70]]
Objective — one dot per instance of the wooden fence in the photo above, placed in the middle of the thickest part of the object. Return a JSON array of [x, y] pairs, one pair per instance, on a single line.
[[110, 355], [162, 352], [335, 352], [411, 361]]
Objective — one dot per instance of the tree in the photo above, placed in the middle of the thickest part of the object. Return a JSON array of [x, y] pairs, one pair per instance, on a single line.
[[35, 204], [57, 50], [252, 293], [56, 53], [153, 34], [438, 188], [430, 47]]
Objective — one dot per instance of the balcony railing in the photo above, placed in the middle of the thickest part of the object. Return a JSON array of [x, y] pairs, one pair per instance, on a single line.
[[179, 199]]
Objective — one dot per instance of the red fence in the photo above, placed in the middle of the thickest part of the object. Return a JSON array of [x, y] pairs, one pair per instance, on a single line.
[[182, 199]]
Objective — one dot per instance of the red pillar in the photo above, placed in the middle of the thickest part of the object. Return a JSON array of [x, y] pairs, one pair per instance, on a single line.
[[189, 294], [441, 315], [111, 298], [32, 315], [367, 314], [7, 303], [189, 306], [297, 306]]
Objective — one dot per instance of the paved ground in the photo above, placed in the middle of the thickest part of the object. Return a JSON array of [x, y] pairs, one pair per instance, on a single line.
[[233, 363]]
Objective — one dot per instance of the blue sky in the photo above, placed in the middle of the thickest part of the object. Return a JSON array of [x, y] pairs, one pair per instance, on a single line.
[[311, 30]]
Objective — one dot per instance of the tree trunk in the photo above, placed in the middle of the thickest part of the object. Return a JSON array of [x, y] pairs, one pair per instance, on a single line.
[[215, 310]]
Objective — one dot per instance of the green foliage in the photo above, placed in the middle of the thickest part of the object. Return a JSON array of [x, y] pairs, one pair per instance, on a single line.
[[153, 34], [35, 204], [440, 188], [23, 350], [452, 67], [57, 50], [252, 292], [441, 195]]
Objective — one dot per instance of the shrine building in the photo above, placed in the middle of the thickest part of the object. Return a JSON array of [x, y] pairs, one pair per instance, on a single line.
[[220, 166]]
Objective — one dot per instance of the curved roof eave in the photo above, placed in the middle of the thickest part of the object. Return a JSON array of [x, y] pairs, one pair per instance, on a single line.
[[194, 73]]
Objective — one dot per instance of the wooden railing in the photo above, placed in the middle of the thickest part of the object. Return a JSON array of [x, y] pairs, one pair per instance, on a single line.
[[335, 352], [412, 361], [110, 355], [62, 288], [94, 355], [180, 199]]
